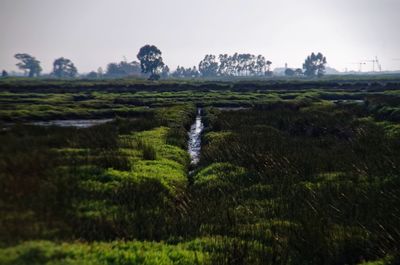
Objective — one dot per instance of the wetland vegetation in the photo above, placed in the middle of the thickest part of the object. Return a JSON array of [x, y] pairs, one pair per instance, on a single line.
[[290, 172]]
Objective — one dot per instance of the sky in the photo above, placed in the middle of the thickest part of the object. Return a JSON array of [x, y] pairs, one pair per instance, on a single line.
[[93, 33]]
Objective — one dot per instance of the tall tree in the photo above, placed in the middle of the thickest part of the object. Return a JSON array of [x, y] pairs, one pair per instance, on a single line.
[[63, 67], [151, 61], [29, 64], [289, 72], [268, 73], [165, 71], [243, 64], [261, 64], [246, 64], [179, 72], [182, 72], [122, 69], [299, 71], [194, 73], [314, 65], [132, 68], [208, 67], [224, 61], [4, 73], [113, 69], [92, 75], [100, 72]]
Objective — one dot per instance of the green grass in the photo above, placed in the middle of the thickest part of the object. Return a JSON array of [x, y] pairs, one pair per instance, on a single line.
[[27, 100], [219, 172], [292, 178], [114, 253]]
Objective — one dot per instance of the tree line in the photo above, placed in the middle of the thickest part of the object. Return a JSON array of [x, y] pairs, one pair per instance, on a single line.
[[150, 65], [62, 67]]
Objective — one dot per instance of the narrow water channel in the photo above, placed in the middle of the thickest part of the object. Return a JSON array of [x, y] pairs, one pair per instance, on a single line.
[[194, 145]]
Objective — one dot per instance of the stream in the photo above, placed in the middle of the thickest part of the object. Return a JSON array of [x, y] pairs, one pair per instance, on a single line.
[[194, 145]]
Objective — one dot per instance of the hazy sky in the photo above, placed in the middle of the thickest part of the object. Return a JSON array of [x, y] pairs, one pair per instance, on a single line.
[[93, 33]]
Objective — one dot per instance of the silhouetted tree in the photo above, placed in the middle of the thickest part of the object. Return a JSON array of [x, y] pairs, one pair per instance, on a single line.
[[233, 65], [268, 73], [224, 65], [243, 64], [246, 64], [178, 73], [100, 72], [299, 71], [314, 65], [4, 73], [28, 63], [123, 69], [165, 71], [63, 67], [209, 66], [132, 68], [194, 73], [260, 65], [92, 75], [289, 72], [182, 72], [151, 61], [113, 69]]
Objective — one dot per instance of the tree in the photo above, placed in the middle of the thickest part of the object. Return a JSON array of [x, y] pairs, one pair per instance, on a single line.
[[151, 61], [238, 64], [122, 69], [29, 64], [4, 73], [289, 72], [223, 64], [113, 69], [92, 75], [261, 64], [314, 65], [182, 72], [268, 73], [178, 73], [165, 71], [132, 68], [208, 66], [298, 72], [246, 64], [233, 65], [194, 73], [63, 67], [100, 72]]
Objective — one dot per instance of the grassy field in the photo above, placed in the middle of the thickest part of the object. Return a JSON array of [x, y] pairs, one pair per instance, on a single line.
[[38, 103], [291, 172]]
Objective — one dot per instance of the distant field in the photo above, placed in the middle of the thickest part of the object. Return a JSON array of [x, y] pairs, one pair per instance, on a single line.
[[24, 100]]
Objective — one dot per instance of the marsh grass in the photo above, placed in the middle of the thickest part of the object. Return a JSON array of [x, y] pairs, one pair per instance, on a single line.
[[295, 179]]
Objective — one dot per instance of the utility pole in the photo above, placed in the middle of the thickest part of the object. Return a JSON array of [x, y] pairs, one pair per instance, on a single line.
[[361, 64], [378, 63], [374, 62]]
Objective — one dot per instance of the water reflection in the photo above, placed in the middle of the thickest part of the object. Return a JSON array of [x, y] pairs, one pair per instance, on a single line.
[[72, 123], [194, 145]]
